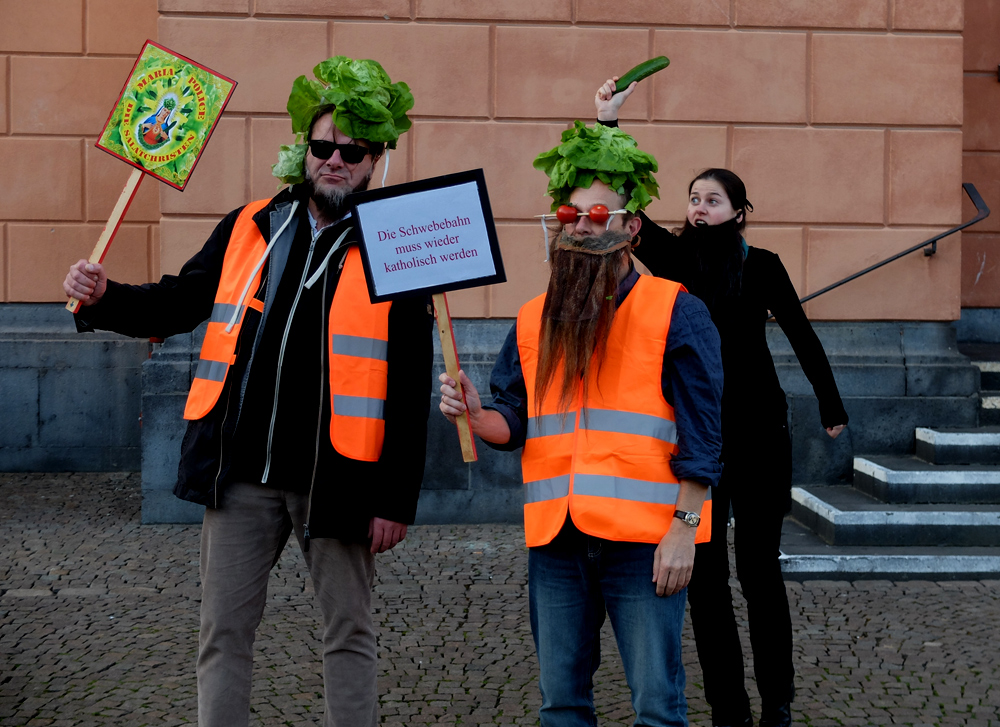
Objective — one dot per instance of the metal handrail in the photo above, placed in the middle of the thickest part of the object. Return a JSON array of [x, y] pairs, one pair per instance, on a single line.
[[929, 246]]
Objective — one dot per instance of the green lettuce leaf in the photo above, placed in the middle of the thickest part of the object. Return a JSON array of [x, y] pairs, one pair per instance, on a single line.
[[290, 168], [368, 106], [599, 152]]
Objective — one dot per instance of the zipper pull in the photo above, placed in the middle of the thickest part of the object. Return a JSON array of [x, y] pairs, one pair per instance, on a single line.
[[305, 538]]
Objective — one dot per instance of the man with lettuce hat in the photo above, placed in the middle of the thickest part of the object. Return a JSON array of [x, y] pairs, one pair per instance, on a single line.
[[611, 382], [307, 410]]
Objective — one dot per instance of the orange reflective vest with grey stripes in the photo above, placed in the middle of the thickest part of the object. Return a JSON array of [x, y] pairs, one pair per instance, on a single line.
[[358, 343], [606, 463]]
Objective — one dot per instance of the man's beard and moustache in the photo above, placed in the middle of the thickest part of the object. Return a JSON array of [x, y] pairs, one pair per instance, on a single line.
[[579, 308], [330, 200], [712, 261]]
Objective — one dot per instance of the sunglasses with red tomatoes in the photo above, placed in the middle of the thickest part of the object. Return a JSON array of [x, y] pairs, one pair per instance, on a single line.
[[350, 153], [567, 214], [598, 213]]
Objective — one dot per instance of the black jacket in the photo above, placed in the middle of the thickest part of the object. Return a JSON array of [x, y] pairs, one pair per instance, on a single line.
[[285, 429], [752, 393]]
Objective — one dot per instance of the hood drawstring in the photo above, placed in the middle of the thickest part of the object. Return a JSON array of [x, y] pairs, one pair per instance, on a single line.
[[322, 266], [260, 263]]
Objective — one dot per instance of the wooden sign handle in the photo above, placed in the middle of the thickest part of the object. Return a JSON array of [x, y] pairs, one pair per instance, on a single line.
[[108, 234], [447, 334]]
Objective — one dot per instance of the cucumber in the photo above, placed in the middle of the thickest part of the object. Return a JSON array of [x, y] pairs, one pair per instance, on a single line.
[[641, 71]]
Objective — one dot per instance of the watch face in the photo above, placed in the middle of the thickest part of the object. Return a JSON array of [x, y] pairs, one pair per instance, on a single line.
[[689, 518]]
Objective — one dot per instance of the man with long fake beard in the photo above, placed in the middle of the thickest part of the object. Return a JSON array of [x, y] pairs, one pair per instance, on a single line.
[[612, 384], [308, 409]]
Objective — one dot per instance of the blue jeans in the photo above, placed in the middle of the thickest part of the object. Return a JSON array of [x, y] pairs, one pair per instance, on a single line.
[[573, 581]]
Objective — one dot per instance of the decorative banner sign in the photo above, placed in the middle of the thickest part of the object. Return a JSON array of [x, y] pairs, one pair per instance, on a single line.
[[427, 236], [165, 115]]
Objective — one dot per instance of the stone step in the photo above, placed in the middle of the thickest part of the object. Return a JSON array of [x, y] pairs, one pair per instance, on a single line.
[[957, 445], [804, 556], [843, 515], [989, 374], [986, 358], [909, 479], [989, 407]]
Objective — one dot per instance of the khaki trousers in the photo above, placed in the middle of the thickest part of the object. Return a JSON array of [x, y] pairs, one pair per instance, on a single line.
[[240, 543]]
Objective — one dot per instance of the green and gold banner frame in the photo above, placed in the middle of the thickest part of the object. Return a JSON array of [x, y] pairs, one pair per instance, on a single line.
[[165, 115]]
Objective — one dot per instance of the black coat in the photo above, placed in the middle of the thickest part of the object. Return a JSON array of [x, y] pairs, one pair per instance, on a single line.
[[230, 443], [753, 396]]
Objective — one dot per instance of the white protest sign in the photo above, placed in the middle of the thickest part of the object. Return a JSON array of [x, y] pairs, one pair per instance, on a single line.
[[428, 236]]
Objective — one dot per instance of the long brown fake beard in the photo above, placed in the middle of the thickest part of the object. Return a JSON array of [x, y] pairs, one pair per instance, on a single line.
[[578, 312]]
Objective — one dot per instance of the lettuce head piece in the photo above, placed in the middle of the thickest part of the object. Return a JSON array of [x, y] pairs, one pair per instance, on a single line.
[[604, 153], [368, 106]]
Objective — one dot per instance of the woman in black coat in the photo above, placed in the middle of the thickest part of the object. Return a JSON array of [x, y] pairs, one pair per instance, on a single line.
[[741, 286]]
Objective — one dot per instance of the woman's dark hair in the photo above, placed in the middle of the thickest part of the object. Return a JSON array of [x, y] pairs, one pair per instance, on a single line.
[[714, 254]]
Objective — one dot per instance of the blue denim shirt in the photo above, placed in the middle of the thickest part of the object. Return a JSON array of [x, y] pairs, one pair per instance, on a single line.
[[691, 379]]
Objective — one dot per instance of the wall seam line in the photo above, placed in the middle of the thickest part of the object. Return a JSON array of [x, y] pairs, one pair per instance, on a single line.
[[248, 155], [83, 181], [887, 179], [5, 253], [651, 93], [804, 265], [84, 8], [730, 146], [809, 79], [149, 253], [491, 81], [9, 100]]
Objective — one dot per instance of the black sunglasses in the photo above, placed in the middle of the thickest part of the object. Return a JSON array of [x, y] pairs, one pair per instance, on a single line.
[[350, 153]]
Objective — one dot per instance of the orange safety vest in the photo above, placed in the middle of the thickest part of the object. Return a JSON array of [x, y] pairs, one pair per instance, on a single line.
[[607, 463], [358, 344]]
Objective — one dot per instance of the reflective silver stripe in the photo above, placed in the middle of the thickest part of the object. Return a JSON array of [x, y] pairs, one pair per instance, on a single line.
[[550, 424], [211, 370], [541, 490], [222, 313], [358, 406], [621, 488], [627, 422], [360, 346]]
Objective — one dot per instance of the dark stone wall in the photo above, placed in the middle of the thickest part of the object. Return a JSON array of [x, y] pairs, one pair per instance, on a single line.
[[893, 378], [73, 402]]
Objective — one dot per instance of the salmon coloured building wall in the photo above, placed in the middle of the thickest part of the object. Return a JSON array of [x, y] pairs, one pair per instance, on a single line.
[[844, 117], [981, 152], [62, 66]]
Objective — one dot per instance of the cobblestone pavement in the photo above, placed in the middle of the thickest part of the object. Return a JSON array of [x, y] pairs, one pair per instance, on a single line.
[[98, 626]]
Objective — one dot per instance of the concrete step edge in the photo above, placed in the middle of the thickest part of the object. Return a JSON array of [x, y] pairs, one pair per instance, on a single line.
[[893, 518], [971, 476], [896, 565], [938, 438]]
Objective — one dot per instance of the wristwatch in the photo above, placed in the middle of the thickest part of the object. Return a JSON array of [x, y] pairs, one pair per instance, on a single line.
[[691, 519]]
